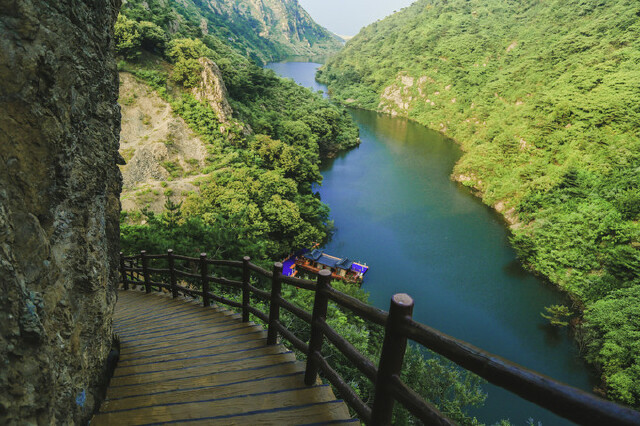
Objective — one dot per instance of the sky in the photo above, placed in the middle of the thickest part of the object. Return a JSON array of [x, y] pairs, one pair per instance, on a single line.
[[347, 17]]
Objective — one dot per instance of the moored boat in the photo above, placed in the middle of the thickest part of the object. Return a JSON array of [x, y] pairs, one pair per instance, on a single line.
[[313, 261]]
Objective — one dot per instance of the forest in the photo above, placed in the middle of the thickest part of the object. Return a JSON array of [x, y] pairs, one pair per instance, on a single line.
[[544, 99]]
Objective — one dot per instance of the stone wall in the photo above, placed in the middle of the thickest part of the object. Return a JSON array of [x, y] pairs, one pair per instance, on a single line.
[[59, 206]]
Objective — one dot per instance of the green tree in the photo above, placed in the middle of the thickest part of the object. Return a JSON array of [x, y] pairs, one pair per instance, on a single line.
[[187, 72], [184, 53], [172, 213], [153, 37], [128, 39]]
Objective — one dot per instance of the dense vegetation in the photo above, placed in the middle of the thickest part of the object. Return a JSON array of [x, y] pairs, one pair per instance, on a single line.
[[238, 25], [544, 98], [261, 164]]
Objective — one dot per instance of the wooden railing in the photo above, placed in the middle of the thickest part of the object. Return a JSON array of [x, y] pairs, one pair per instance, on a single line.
[[566, 401]]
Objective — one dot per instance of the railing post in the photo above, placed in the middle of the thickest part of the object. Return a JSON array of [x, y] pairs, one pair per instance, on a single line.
[[393, 350], [130, 278], [204, 278], [123, 274], [274, 306], [145, 271], [246, 276], [172, 273], [318, 316]]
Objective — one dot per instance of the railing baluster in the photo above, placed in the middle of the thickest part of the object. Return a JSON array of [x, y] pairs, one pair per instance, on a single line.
[[145, 271], [130, 274], [172, 273], [393, 349], [319, 315], [204, 279], [274, 306], [123, 274], [246, 276]]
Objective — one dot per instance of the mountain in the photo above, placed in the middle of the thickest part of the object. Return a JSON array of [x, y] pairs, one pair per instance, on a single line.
[[264, 30], [543, 97]]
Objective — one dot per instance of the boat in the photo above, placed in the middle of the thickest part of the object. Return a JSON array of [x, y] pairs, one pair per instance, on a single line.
[[315, 260]]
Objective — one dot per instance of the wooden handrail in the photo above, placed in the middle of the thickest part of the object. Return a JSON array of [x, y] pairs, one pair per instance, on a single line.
[[566, 401]]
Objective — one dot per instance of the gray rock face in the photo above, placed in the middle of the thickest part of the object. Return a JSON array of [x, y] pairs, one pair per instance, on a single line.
[[213, 90], [59, 206]]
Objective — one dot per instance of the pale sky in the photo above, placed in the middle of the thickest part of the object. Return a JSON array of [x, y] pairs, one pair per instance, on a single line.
[[347, 17]]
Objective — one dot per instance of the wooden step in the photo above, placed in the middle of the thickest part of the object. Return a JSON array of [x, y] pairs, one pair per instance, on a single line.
[[183, 363]]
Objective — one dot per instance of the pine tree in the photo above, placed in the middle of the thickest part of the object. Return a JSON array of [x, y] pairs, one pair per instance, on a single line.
[[172, 213]]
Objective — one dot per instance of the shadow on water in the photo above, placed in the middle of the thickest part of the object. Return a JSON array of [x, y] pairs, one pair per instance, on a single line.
[[396, 208]]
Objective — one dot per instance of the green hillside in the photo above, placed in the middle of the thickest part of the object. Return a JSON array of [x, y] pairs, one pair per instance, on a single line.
[[544, 98], [254, 193], [267, 31]]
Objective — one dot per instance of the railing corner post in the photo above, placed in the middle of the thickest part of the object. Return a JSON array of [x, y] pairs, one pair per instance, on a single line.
[[172, 273], [274, 306], [318, 318], [204, 279], [246, 277], [145, 271], [393, 350], [123, 274]]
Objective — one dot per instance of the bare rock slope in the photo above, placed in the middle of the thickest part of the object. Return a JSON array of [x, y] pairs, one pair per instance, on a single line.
[[163, 155]]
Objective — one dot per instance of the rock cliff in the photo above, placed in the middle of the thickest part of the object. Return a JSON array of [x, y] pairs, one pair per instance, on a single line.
[[59, 206], [212, 90], [284, 22]]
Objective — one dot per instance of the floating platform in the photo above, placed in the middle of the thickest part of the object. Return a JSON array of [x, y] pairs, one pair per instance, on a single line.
[[313, 261]]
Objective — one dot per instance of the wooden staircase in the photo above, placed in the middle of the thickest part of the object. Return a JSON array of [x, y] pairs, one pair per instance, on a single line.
[[183, 363]]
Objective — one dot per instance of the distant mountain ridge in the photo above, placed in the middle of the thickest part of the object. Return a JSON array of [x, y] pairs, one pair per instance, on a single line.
[[264, 30]]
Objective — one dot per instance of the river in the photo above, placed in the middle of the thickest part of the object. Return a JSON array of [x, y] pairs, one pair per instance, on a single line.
[[396, 208]]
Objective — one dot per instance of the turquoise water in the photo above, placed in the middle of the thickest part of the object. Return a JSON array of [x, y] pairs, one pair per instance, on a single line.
[[395, 208]]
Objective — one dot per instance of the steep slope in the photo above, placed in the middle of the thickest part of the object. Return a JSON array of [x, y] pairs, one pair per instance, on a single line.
[[544, 99], [163, 155], [265, 30]]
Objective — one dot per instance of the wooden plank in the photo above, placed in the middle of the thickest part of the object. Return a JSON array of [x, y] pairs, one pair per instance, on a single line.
[[133, 353], [189, 381], [265, 384], [160, 314], [194, 353], [322, 413], [177, 307], [197, 367], [160, 304], [223, 407], [142, 320], [223, 337], [197, 323]]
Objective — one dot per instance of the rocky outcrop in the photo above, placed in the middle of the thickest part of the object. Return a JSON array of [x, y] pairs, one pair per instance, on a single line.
[[59, 206], [212, 90]]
